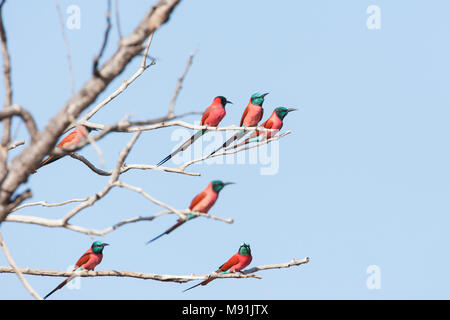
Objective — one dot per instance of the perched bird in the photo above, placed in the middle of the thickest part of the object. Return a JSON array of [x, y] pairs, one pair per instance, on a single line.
[[76, 136], [236, 263], [211, 117], [202, 203], [250, 118], [274, 122], [88, 261]]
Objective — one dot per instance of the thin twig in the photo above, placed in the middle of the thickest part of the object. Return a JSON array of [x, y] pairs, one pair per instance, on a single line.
[[46, 204], [17, 110], [119, 31], [135, 126], [226, 152], [159, 277], [127, 167], [15, 144], [66, 42], [24, 163], [179, 85], [17, 271], [121, 89], [97, 149], [59, 223], [114, 176], [149, 197], [105, 40]]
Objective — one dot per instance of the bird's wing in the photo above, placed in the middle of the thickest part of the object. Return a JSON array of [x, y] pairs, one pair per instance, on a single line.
[[268, 125], [197, 199], [69, 139], [243, 116], [84, 258], [231, 262], [205, 116]]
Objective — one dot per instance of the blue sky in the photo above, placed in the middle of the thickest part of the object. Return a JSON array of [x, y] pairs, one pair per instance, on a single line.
[[363, 179]]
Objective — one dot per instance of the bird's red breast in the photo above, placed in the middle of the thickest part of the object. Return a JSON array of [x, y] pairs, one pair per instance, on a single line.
[[89, 260], [213, 114], [252, 115], [272, 123], [236, 263], [204, 200]]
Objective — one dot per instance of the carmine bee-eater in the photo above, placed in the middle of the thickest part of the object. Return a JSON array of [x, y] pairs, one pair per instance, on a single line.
[[88, 261], [274, 122], [202, 203], [211, 117], [250, 118], [76, 136], [236, 263]]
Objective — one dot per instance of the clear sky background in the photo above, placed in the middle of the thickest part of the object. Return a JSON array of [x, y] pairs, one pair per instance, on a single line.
[[363, 179]]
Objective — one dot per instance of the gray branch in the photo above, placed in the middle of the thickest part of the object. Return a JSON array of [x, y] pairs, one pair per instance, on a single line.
[[22, 165]]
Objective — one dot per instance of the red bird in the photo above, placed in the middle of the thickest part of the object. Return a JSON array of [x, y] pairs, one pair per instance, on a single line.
[[275, 121], [201, 203], [211, 117], [88, 261], [236, 263], [250, 118], [73, 138]]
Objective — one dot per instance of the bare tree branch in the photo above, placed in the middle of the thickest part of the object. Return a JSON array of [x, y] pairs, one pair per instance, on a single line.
[[90, 165], [105, 40], [113, 179], [226, 152], [17, 110], [23, 164], [179, 85], [119, 31], [8, 95], [122, 88], [149, 197], [46, 204], [58, 223], [15, 144], [127, 167], [66, 42], [159, 277], [17, 271], [135, 126], [19, 199]]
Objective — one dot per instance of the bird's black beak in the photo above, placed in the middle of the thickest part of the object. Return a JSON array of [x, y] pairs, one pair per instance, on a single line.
[[227, 183], [291, 109], [264, 94], [106, 244], [229, 102]]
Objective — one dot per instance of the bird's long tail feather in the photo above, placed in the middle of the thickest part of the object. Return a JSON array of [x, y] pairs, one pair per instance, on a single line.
[[238, 135], [183, 147], [203, 283], [49, 160], [176, 225], [246, 141], [62, 284]]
